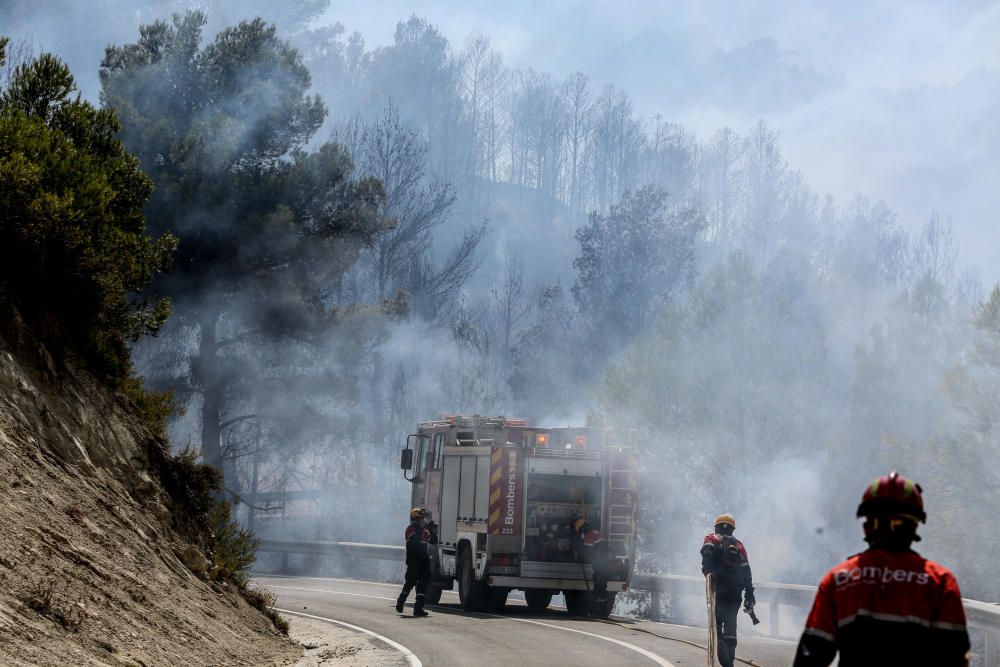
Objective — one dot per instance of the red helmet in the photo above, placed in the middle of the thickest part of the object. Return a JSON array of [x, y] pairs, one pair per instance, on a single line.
[[895, 495]]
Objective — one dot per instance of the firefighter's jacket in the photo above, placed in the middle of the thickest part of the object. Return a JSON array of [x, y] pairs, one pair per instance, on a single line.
[[417, 539], [886, 608], [731, 571], [593, 546]]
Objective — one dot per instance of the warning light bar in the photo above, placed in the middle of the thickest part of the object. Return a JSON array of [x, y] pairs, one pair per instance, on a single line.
[[542, 440], [580, 441]]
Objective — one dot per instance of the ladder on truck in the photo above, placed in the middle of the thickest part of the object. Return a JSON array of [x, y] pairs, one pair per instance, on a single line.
[[621, 507]]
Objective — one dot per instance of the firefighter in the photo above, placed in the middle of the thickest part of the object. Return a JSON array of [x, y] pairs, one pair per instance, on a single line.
[[887, 605], [418, 561], [725, 558], [593, 548]]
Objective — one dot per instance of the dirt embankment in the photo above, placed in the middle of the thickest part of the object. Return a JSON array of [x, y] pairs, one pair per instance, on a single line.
[[89, 566]]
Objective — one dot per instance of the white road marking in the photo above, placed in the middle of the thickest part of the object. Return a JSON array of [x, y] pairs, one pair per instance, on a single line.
[[348, 581], [451, 592], [632, 647], [411, 657], [316, 590]]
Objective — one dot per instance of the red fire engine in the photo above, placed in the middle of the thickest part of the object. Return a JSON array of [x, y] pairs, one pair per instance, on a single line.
[[506, 496]]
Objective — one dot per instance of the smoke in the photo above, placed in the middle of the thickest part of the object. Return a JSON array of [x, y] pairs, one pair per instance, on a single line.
[[807, 355]]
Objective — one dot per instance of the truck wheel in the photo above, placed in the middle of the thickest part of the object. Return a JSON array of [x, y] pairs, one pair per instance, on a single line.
[[470, 591], [433, 594], [577, 603], [604, 610], [537, 599], [497, 600]]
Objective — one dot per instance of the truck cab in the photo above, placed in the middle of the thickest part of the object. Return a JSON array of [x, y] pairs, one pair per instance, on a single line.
[[506, 496]]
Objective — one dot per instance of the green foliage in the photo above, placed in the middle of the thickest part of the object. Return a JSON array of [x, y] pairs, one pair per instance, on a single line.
[[192, 487], [234, 549], [987, 326], [267, 226], [723, 387], [73, 242], [199, 515], [155, 408], [975, 385], [222, 130], [632, 262]]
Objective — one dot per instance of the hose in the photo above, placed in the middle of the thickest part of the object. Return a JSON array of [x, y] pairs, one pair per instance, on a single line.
[[745, 661]]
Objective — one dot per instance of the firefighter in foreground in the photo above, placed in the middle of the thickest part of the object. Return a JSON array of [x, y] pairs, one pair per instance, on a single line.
[[887, 605], [418, 561], [592, 548], [725, 558]]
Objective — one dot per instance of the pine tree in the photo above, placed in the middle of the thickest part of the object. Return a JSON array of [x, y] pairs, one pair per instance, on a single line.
[[266, 226], [75, 255]]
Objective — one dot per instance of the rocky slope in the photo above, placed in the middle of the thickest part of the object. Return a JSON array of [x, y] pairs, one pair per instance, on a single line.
[[90, 566]]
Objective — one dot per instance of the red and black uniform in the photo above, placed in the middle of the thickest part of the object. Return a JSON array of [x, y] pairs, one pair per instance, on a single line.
[[418, 566], [726, 559], [884, 608], [594, 550]]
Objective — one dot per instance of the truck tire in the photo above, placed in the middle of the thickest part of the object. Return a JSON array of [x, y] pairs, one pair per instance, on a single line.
[[497, 600], [433, 594], [537, 599], [577, 603], [603, 610], [470, 592]]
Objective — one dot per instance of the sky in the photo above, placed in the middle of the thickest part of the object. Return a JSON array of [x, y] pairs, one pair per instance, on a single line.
[[895, 100]]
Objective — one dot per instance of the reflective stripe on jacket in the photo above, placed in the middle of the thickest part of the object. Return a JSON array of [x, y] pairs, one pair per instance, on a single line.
[[882, 607]]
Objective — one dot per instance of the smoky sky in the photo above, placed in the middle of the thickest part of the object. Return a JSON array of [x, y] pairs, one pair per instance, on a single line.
[[894, 100]]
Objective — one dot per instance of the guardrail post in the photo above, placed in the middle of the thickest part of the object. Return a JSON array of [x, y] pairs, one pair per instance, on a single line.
[[654, 605], [775, 612], [989, 649]]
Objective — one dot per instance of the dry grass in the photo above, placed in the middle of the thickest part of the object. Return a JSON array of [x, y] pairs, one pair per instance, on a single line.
[[54, 603], [263, 599]]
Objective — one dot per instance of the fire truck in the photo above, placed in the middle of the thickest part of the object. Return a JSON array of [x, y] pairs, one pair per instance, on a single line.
[[506, 495]]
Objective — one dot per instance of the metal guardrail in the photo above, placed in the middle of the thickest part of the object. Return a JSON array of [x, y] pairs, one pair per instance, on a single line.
[[355, 549], [982, 616], [775, 595]]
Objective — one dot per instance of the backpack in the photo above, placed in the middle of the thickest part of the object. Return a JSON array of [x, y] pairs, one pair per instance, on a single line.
[[732, 558]]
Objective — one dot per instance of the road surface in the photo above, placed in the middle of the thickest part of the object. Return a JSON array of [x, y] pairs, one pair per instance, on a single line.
[[450, 636]]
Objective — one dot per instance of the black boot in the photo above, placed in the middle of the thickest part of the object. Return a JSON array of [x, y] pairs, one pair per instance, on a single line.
[[418, 606], [401, 600]]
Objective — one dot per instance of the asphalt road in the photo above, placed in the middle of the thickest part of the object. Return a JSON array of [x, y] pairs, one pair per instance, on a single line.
[[450, 636]]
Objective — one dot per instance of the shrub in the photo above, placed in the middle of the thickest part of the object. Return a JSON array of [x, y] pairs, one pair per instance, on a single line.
[[43, 598], [73, 244], [234, 548], [192, 487], [155, 408], [263, 598]]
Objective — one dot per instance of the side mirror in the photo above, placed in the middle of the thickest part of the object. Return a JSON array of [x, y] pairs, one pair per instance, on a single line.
[[406, 457]]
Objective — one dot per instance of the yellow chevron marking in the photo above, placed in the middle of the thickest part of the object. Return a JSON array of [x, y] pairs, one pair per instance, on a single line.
[[495, 497], [494, 517], [495, 476]]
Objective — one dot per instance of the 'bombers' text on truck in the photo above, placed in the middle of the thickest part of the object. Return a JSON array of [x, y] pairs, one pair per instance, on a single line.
[[506, 496]]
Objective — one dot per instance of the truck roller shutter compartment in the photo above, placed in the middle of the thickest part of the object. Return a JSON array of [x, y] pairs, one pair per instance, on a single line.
[[449, 498], [482, 509], [467, 492]]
